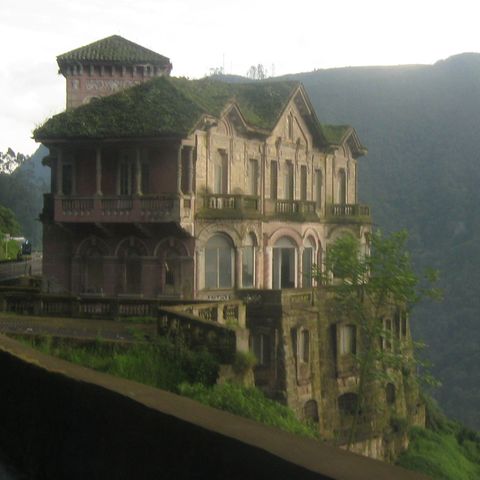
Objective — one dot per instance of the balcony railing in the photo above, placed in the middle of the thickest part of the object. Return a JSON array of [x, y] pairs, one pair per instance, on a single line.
[[220, 204], [295, 210], [348, 210], [152, 208]]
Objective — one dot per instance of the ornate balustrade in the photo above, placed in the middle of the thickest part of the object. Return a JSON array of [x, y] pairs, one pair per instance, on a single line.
[[151, 208], [294, 210], [348, 210], [220, 204]]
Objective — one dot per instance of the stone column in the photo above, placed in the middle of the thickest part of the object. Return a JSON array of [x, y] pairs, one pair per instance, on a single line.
[[267, 268], [300, 268], [238, 267], [200, 270], [138, 171], [99, 170]]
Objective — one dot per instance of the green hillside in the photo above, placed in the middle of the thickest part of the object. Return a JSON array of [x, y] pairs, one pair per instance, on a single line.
[[421, 125]]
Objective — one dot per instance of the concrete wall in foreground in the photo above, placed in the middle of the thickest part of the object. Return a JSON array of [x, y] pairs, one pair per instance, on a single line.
[[58, 421]]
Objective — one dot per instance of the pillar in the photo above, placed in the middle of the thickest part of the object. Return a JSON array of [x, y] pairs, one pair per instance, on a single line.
[[138, 171], [60, 172]]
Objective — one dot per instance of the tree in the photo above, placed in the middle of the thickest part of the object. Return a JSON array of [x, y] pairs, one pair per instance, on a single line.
[[258, 72], [367, 286]]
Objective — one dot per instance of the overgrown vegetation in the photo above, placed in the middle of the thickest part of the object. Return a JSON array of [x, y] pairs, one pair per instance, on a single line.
[[250, 403], [374, 282], [445, 450], [178, 369], [161, 364]]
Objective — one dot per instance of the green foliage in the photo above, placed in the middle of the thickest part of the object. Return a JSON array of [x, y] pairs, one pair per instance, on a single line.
[[168, 106], [9, 249], [370, 283], [441, 455], [8, 222], [250, 403], [244, 362], [162, 364]]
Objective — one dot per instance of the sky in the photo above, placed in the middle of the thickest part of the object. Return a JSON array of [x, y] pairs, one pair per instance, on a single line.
[[198, 35]]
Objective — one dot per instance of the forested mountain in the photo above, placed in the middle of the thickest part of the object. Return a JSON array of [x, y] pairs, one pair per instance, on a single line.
[[23, 180], [421, 125]]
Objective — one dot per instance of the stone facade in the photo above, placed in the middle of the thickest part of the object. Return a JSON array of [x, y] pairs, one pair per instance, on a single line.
[[228, 209]]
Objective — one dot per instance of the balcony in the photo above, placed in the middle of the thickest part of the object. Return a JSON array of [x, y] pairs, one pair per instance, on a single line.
[[220, 205], [292, 210], [348, 212], [117, 209]]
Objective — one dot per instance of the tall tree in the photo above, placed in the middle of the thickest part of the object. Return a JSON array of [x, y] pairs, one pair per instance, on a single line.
[[368, 286]]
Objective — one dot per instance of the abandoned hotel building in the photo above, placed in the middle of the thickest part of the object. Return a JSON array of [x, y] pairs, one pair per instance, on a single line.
[[189, 190]]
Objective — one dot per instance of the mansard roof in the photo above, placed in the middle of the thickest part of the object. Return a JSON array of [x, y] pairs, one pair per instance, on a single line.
[[114, 49], [174, 107]]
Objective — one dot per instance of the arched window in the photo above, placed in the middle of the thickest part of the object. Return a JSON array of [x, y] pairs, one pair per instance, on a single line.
[[347, 403], [310, 411], [248, 262], [133, 270], [93, 273], [284, 263], [342, 187], [390, 394], [219, 256]]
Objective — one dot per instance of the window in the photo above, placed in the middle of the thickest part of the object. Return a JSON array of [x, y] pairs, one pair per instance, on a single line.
[[273, 179], [127, 178], [342, 187], [288, 187], [67, 178], [145, 178], [290, 126], [347, 403], [310, 411], [388, 345], [390, 394], [248, 262], [186, 178], [133, 271], [303, 182], [261, 348], [253, 174], [305, 346], [220, 174], [284, 270], [219, 263], [93, 271], [307, 264], [347, 339], [318, 188]]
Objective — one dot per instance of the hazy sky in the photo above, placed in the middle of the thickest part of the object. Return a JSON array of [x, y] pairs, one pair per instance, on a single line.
[[197, 35]]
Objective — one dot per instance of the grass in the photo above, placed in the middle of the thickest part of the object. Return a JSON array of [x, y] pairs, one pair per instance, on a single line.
[[161, 365], [250, 403], [445, 450], [178, 369]]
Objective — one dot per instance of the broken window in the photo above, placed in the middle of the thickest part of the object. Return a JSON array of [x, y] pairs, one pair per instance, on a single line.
[[347, 339]]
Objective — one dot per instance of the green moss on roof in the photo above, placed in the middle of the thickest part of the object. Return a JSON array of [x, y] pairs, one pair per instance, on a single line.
[[114, 49], [335, 134], [168, 107]]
